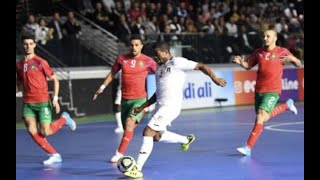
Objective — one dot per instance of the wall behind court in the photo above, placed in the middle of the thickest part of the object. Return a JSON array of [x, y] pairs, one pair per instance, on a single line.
[[199, 91]]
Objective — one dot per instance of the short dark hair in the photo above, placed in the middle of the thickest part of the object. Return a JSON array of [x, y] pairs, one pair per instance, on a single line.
[[27, 37], [163, 45], [136, 37]]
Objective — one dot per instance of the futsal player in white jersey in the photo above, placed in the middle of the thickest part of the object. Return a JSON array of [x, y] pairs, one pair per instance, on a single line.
[[170, 77]]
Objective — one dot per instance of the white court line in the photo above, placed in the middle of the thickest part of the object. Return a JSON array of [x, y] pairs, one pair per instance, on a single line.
[[271, 127]]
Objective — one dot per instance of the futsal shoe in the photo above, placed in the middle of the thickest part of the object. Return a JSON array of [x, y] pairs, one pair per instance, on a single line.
[[185, 146], [118, 130], [134, 173], [70, 122], [54, 158], [116, 157], [245, 150], [291, 106]]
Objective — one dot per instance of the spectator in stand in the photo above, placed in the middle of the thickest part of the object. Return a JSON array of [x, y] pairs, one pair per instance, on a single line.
[[29, 29], [55, 45], [123, 29], [72, 30], [101, 17], [43, 33]]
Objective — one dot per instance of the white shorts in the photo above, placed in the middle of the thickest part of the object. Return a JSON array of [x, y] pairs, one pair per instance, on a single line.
[[162, 117], [118, 96]]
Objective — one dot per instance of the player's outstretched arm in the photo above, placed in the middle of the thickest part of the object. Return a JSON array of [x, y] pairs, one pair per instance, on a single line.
[[105, 83], [207, 70], [291, 59]]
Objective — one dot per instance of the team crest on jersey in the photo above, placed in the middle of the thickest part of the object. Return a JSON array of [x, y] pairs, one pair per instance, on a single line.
[[273, 56], [141, 64], [33, 67]]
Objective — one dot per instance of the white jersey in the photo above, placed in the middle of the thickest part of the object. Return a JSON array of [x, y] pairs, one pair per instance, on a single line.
[[170, 79]]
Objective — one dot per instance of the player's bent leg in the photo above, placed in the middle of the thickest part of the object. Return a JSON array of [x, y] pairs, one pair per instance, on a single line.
[[126, 139]]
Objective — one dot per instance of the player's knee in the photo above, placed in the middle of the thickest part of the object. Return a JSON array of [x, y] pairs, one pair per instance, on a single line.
[[31, 130], [157, 137], [262, 116], [130, 123], [149, 132], [45, 131]]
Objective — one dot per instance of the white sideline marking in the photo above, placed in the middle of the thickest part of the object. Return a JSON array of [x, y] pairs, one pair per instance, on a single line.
[[272, 127]]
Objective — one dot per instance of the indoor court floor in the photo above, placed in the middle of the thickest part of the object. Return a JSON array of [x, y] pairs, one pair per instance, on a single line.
[[277, 155]]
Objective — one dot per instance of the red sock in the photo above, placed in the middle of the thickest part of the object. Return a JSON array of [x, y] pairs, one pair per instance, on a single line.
[[55, 126], [126, 138], [278, 109], [256, 131], [43, 143]]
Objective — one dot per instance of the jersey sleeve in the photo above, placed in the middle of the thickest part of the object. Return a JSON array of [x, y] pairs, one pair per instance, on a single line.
[[152, 66], [284, 52], [48, 71], [184, 64], [116, 66]]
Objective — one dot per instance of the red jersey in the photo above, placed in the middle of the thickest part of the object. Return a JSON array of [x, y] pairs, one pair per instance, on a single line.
[[270, 68], [33, 73], [134, 73]]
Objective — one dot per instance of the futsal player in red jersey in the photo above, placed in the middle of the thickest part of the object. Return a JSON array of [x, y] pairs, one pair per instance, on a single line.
[[271, 59], [32, 72], [135, 67]]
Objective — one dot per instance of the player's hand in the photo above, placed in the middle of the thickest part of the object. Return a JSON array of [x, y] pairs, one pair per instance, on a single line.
[[219, 81], [99, 91], [137, 110], [286, 59], [237, 59], [56, 106]]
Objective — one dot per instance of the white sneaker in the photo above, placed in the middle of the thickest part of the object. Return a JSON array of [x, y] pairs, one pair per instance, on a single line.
[[116, 157], [118, 130], [54, 158], [70, 122], [245, 150], [291, 106]]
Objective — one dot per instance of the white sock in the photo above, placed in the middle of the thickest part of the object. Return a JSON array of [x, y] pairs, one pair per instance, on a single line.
[[118, 118], [171, 137], [145, 151]]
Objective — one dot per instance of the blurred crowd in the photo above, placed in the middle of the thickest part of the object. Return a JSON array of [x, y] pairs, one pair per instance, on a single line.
[[235, 25]]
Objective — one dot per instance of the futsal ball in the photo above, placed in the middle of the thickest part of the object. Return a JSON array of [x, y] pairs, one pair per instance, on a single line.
[[126, 163]]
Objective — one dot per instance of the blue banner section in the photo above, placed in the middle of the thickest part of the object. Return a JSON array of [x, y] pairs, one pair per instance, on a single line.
[[151, 85], [200, 91]]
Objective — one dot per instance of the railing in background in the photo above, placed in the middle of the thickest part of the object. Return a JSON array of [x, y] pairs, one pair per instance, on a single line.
[[96, 39], [63, 73]]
